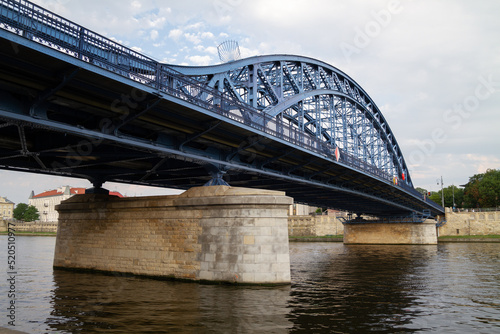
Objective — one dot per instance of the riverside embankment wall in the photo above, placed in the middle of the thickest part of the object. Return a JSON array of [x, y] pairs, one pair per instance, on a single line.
[[470, 223], [20, 226], [298, 226], [458, 223], [317, 226]]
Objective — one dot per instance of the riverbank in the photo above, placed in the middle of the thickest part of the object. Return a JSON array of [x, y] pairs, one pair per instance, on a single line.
[[461, 238], [326, 238], [470, 238], [4, 330], [31, 234]]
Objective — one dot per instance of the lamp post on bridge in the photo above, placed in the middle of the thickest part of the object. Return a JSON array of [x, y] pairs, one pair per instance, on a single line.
[[442, 192], [453, 188]]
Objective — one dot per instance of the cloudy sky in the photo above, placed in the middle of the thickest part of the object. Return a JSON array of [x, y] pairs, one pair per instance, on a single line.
[[432, 67]]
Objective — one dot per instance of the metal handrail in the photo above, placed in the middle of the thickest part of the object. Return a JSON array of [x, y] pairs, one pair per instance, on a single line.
[[47, 28]]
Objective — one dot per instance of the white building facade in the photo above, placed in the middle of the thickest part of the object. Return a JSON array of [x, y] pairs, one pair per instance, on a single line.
[[6, 208], [46, 202]]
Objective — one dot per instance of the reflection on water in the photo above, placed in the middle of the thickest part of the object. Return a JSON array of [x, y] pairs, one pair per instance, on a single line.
[[357, 288], [335, 289], [396, 289], [117, 304]]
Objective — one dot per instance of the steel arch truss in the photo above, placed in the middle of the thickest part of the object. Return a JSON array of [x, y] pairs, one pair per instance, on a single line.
[[313, 97]]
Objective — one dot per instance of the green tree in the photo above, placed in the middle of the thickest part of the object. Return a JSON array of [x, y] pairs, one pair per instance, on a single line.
[[421, 190], [19, 211], [319, 211], [449, 193], [31, 214], [436, 197], [483, 190], [26, 213]]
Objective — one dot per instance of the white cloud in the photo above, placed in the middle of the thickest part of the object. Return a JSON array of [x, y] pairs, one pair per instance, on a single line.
[[194, 26], [175, 34], [136, 5], [153, 34], [212, 50], [193, 38], [482, 163], [246, 52], [206, 35], [200, 60]]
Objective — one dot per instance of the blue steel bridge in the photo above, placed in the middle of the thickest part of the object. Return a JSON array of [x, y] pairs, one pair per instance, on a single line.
[[75, 103]]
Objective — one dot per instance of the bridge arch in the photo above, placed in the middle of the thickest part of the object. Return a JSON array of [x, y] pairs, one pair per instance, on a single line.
[[314, 97]]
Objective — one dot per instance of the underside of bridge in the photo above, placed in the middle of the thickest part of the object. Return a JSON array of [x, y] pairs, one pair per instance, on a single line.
[[77, 104], [63, 115]]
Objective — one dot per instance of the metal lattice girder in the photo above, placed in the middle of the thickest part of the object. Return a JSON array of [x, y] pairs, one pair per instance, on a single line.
[[279, 122], [313, 97]]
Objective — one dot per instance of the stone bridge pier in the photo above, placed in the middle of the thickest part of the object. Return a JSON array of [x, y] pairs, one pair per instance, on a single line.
[[407, 233], [215, 233]]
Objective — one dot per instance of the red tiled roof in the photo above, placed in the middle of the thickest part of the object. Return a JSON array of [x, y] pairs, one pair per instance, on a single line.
[[73, 191], [48, 193]]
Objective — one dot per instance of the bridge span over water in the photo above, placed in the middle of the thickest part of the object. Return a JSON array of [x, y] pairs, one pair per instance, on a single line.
[[75, 103]]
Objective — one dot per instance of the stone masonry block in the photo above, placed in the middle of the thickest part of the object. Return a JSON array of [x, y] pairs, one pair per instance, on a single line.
[[249, 240], [208, 233]]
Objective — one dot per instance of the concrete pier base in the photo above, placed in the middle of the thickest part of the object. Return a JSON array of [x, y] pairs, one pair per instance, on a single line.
[[217, 233], [391, 233]]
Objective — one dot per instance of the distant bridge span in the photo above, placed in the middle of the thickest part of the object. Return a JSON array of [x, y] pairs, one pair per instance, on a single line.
[[75, 103]]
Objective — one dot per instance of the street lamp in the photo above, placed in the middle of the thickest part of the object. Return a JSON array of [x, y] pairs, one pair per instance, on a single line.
[[442, 192], [453, 188]]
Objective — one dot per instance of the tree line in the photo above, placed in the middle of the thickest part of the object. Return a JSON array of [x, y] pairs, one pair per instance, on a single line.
[[25, 212], [482, 191]]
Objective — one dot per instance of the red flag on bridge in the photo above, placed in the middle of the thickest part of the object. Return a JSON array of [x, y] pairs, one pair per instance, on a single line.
[[337, 153]]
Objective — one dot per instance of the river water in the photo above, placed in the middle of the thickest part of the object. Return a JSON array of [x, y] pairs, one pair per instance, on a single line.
[[448, 288]]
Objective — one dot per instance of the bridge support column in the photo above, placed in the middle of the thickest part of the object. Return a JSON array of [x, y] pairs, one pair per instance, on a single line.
[[97, 188], [217, 233], [391, 233]]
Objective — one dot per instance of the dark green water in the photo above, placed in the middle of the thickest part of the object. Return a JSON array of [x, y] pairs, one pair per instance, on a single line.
[[449, 288]]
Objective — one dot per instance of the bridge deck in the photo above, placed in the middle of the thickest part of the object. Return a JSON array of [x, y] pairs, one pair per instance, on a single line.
[[63, 115]]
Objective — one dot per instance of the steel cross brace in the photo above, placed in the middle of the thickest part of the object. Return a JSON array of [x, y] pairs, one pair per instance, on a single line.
[[67, 77], [24, 148], [153, 170], [241, 148], [212, 126], [270, 160], [131, 117]]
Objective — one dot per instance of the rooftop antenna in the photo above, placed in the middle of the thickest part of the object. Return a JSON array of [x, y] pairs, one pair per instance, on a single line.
[[229, 51]]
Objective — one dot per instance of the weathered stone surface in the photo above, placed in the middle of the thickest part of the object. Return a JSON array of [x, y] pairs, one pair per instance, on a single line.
[[470, 223], [29, 226], [318, 226], [391, 233], [214, 233]]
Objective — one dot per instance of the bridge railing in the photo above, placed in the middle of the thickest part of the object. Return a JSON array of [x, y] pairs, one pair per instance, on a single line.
[[44, 27]]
